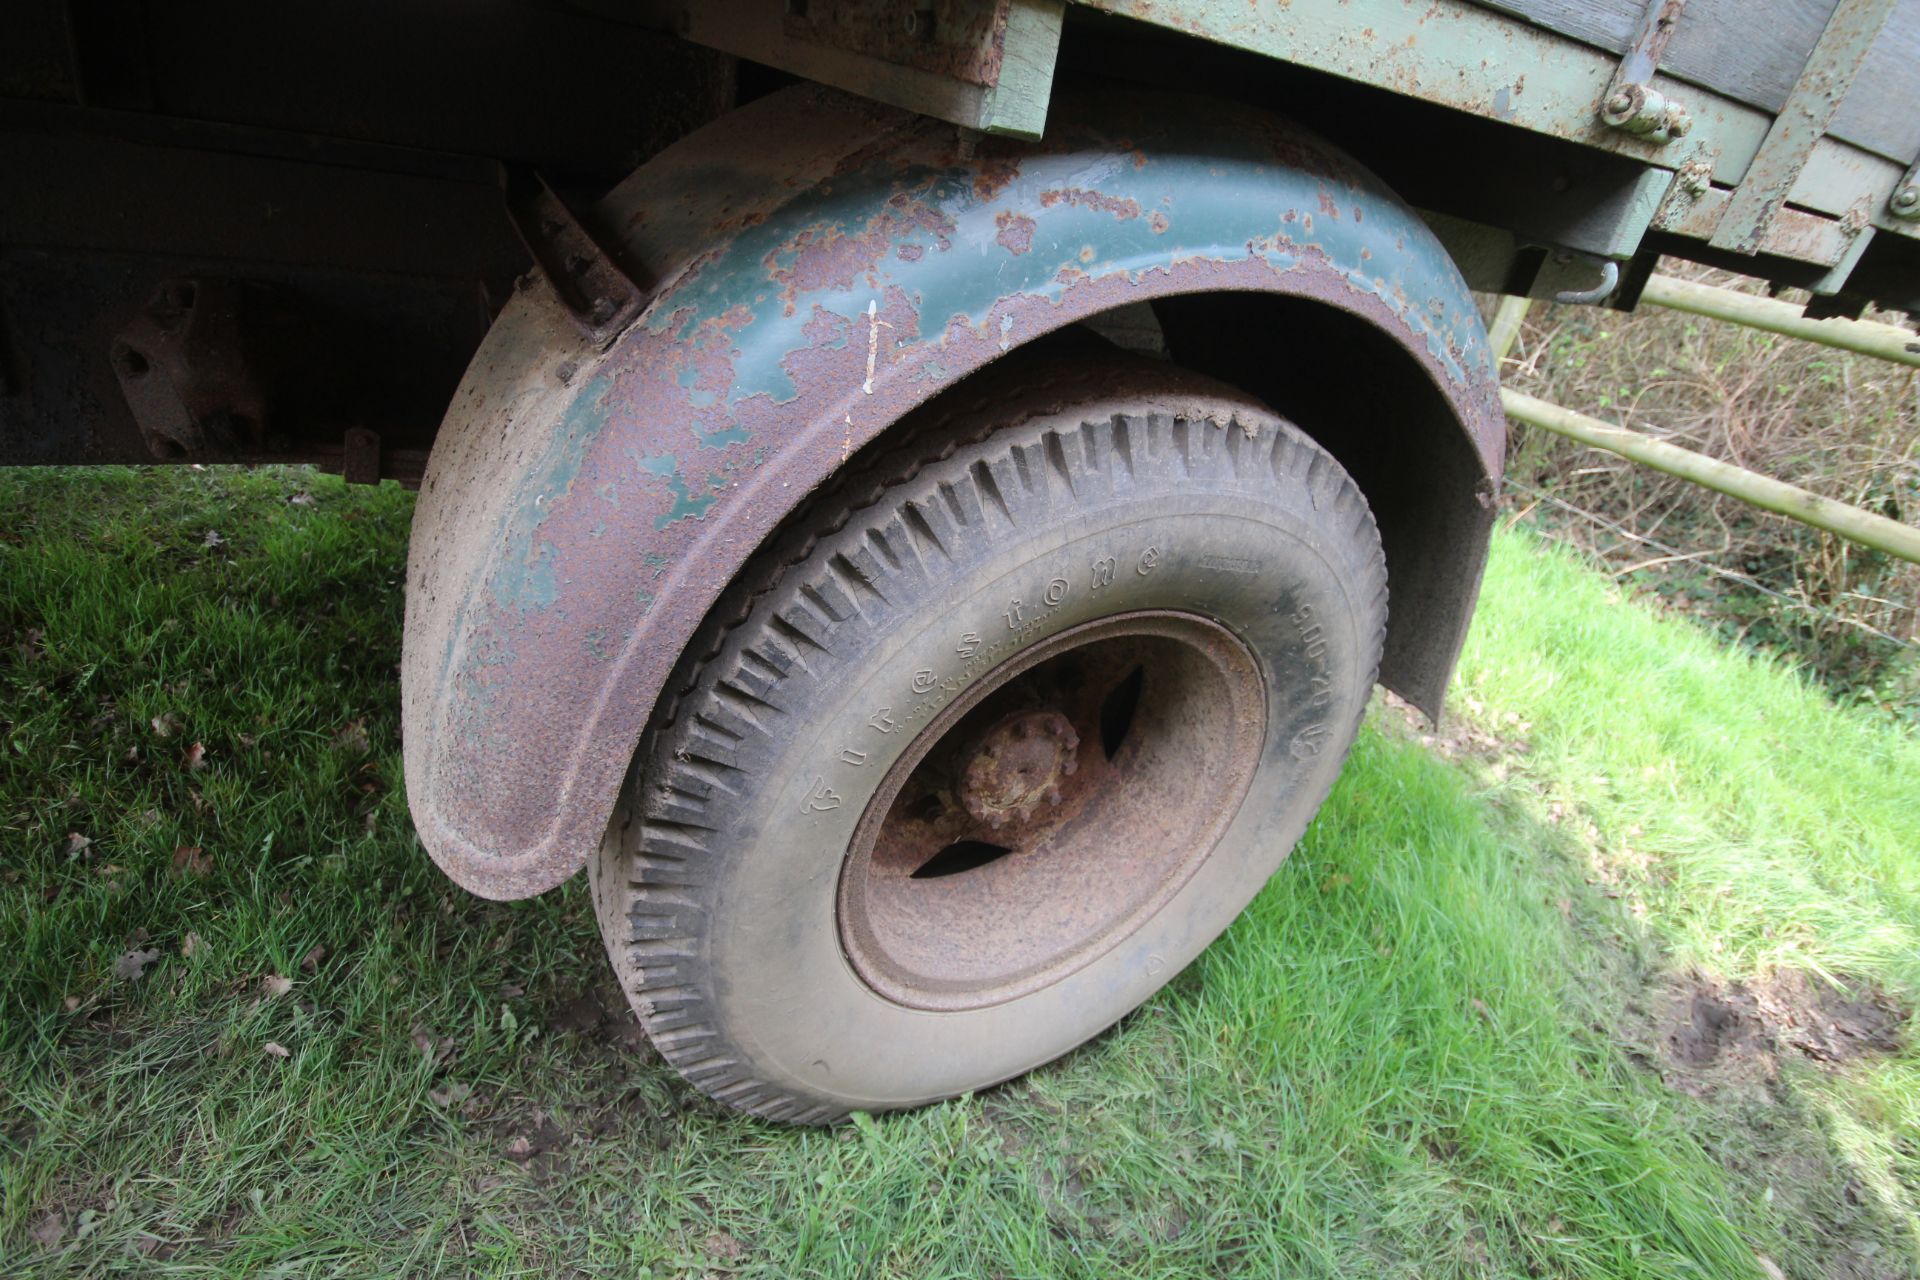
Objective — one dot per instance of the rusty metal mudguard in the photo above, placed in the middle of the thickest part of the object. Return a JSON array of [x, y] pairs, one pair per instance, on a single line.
[[818, 266]]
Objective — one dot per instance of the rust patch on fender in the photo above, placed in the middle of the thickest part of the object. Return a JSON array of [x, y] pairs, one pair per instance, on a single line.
[[1122, 207], [1016, 232], [825, 256]]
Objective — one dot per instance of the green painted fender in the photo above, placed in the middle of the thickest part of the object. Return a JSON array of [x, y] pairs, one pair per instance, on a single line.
[[818, 266]]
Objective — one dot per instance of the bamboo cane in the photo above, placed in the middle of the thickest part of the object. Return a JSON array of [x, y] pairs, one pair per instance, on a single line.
[[1849, 522], [1506, 324], [1868, 337]]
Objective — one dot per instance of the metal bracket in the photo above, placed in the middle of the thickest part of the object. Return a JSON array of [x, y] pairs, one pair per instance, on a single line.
[[601, 298], [1631, 104], [360, 456], [186, 367], [1905, 200], [1609, 279]]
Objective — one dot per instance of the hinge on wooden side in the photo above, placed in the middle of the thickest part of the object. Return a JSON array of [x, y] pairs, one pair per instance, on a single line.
[[1905, 200], [1632, 104]]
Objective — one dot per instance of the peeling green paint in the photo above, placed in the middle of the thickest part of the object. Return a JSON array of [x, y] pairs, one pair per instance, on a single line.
[[836, 248], [721, 439], [687, 505], [523, 578]]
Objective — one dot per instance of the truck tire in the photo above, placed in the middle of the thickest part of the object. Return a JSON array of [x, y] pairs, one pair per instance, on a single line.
[[999, 732]]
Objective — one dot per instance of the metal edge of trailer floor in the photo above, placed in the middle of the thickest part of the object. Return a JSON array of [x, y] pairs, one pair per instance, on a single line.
[[1482, 61], [827, 265]]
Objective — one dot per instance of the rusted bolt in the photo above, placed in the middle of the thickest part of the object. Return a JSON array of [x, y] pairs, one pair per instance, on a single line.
[[1642, 111]]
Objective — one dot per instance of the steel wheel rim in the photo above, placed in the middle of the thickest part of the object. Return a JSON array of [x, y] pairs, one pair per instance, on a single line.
[[1050, 809]]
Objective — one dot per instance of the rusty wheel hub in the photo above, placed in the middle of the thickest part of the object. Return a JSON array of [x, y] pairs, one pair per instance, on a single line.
[[1018, 766], [1050, 809]]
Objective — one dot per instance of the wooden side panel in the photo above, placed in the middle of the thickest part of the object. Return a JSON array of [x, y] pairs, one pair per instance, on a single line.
[[1883, 112], [1752, 51]]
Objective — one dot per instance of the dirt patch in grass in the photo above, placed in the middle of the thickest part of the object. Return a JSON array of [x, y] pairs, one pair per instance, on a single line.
[[1459, 737], [1716, 1034], [603, 1016]]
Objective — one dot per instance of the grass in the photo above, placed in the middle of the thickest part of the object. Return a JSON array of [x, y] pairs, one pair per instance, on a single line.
[[1439, 1044]]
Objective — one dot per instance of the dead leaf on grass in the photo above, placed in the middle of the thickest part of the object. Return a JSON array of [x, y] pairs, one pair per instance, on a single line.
[[353, 736], [191, 944], [274, 1049], [191, 860], [165, 726], [274, 985], [70, 1003], [77, 844], [722, 1247], [520, 1149], [454, 1093], [311, 961], [158, 1248], [213, 539], [194, 758], [439, 1049], [132, 966], [48, 1231], [301, 499]]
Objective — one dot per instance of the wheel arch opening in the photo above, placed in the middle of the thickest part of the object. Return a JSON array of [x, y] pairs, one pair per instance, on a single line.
[[1369, 403], [1360, 395]]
